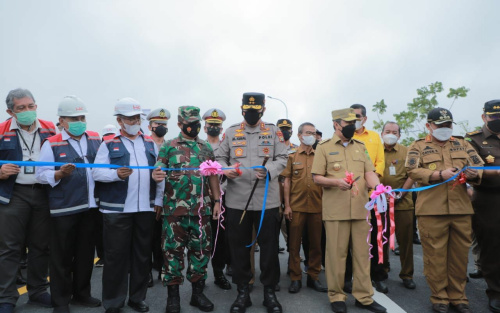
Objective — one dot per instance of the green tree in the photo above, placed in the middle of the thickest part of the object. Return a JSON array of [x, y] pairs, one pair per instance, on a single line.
[[412, 121]]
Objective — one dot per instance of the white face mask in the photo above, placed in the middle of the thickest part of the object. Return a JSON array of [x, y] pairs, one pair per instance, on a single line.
[[442, 134], [359, 124], [132, 129], [308, 140], [390, 139]]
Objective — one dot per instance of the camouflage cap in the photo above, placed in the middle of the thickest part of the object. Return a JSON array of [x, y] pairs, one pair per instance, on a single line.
[[188, 114], [344, 114]]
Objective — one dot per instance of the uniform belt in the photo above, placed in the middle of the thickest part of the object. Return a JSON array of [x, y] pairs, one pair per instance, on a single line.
[[32, 186]]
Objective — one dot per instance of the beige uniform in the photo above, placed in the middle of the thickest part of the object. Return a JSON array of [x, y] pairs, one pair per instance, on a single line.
[[344, 216], [395, 175], [444, 215]]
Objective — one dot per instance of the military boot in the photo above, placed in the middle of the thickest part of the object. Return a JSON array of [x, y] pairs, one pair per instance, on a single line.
[[270, 300], [221, 281], [198, 299], [173, 300], [242, 301]]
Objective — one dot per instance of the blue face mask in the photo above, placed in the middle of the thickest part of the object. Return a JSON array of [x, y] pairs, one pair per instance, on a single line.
[[77, 128], [26, 118]]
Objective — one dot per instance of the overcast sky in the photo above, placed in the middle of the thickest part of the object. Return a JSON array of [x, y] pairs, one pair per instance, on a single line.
[[316, 56]]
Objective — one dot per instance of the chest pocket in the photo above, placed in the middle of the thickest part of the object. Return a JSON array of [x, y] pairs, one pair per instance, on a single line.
[[335, 164], [8, 144], [459, 159], [297, 170], [266, 150], [432, 161], [358, 162], [238, 152], [115, 157]]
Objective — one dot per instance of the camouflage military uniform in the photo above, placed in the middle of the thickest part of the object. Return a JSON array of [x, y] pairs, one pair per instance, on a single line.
[[181, 202]]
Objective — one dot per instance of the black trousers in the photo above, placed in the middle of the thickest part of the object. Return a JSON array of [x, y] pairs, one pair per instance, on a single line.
[[240, 235], [98, 235], [221, 256], [71, 256], [127, 249], [156, 245], [378, 271], [24, 221]]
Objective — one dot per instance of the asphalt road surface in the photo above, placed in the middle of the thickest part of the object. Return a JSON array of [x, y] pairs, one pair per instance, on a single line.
[[399, 299]]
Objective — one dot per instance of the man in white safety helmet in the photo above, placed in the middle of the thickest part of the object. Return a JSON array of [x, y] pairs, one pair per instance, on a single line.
[[127, 198], [72, 213], [109, 130]]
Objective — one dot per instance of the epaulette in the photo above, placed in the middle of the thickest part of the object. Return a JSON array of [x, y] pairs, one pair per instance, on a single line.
[[358, 141], [476, 132], [323, 141], [292, 152], [419, 139], [235, 125]]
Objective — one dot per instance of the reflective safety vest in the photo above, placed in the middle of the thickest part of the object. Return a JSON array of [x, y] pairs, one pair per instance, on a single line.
[[71, 195], [10, 149], [112, 195]]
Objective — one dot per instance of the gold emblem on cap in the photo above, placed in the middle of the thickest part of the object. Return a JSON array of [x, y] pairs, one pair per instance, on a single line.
[[336, 166], [285, 122], [444, 115], [485, 142], [490, 159], [496, 107], [162, 113], [432, 166], [215, 113], [251, 100]]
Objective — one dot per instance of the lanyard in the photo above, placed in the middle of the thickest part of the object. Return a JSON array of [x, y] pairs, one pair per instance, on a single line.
[[24, 141]]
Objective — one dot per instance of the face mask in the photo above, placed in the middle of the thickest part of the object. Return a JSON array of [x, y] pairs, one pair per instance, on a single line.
[[252, 117], [390, 139], [308, 140], [359, 124], [213, 131], [348, 131], [442, 134], [494, 126], [160, 131], [132, 129], [191, 129], [286, 134], [26, 118], [77, 128]]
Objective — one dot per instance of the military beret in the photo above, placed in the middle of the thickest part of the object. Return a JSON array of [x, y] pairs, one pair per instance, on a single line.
[[252, 100], [159, 116], [439, 116], [492, 107], [344, 114], [214, 116], [284, 122], [188, 114]]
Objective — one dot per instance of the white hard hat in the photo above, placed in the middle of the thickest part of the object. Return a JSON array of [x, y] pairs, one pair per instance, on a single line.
[[71, 106], [109, 129], [128, 107]]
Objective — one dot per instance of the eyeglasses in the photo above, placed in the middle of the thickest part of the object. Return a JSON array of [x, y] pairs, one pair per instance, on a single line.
[[132, 119], [310, 133], [250, 106]]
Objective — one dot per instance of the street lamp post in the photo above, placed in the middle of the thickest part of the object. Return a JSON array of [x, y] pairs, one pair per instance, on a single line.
[[286, 109]]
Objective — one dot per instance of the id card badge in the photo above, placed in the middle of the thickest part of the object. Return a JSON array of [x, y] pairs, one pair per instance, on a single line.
[[392, 170], [29, 170]]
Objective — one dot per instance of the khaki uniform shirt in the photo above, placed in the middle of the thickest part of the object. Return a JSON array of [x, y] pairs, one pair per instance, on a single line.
[[426, 156], [487, 146], [332, 160], [305, 195], [395, 174], [248, 146]]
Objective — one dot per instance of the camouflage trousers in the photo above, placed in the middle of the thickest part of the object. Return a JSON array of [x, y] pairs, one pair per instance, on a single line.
[[179, 233]]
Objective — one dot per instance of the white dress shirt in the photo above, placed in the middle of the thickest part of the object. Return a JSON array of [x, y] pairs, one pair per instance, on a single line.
[[138, 182], [45, 174], [32, 139]]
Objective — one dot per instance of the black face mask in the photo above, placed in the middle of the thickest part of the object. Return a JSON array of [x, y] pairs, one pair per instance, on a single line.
[[348, 131], [494, 126], [252, 117], [213, 131], [191, 129], [160, 131], [286, 134]]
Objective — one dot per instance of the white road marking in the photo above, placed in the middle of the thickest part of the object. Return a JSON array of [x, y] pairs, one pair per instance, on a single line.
[[385, 301]]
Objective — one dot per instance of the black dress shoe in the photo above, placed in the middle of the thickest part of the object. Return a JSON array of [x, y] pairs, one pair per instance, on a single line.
[[348, 287], [416, 240], [277, 287], [461, 308], [221, 281], [396, 251], [372, 307], [380, 286], [140, 306], [409, 284], [315, 284], [476, 274], [89, 302], [270, 300], [43, 300], [295, 286], [151, 283], [281, 250], [257, 249], [494, 305], [113, 310], [440, 307], [338, 307], [229, 270]]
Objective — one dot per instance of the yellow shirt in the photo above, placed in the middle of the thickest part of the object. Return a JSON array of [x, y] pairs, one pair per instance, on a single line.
[[375, 148]]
